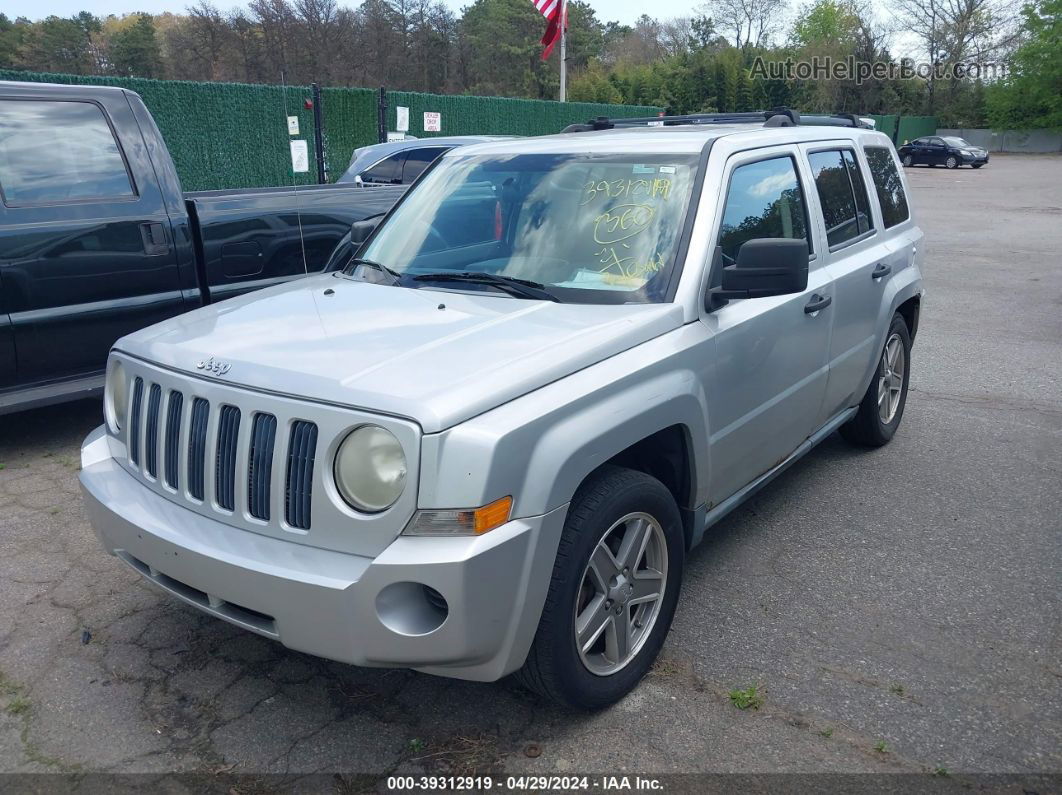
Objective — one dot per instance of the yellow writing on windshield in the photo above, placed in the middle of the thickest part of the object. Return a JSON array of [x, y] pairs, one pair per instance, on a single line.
[[657, 187]]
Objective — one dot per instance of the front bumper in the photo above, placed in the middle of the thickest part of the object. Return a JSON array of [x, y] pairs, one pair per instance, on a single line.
[[359, 610], [971, 159]]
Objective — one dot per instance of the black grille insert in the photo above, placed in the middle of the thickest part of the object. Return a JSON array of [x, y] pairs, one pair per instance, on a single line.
[[299, 484], [173, 437], [225, 459], [197, 434], [134, 420], [151, 441], [260, 465]]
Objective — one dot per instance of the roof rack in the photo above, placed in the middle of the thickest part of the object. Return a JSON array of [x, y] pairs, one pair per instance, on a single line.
[[775, 117]]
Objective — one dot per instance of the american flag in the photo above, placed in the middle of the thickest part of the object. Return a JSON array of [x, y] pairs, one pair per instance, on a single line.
[[551, 10]]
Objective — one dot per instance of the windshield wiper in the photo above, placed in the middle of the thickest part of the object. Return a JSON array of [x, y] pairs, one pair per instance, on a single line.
[[525, 288], [396, 277]]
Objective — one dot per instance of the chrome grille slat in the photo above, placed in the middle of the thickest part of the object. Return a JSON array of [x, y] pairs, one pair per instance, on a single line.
[[134, 420], [151, 440], [174, 414], [225, 457], [197, 435], [298, 490], [260, 465]]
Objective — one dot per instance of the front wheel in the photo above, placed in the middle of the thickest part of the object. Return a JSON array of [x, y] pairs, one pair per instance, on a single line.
[[613, 594], [952, 161], [882, 406], [908, 161]]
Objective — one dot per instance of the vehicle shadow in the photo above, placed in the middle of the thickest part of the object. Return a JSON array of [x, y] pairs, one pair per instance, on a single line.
[[56, 428]]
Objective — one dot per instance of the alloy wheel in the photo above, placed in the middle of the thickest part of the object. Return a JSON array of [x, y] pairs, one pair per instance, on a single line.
[[890, 379], [620, 593]]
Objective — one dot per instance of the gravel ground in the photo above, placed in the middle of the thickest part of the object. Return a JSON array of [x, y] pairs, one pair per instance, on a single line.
[[898, 610]]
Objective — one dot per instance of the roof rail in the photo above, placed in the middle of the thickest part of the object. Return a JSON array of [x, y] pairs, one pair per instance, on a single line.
[[775, 117]]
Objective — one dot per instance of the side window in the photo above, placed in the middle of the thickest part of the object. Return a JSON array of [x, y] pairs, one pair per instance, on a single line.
[[834, 186], [387, 172], [764, 200], [53, 152], [888, 185], [418, 160]]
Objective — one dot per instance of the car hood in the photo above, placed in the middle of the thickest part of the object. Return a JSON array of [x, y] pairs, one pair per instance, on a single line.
[[435, 356]]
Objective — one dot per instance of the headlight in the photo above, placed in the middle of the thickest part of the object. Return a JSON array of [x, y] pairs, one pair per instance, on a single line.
[[115, 397], [370, 469]]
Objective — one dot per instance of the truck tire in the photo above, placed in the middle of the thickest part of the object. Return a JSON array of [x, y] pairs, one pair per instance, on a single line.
[[612, 597], [882, 406]]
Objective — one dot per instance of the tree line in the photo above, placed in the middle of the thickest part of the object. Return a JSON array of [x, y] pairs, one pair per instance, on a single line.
[[702, 62]]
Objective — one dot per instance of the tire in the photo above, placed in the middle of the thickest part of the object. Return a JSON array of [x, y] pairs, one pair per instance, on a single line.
[[868, 427], [976, 165], [908, 161], [952, 162], [555, 668]]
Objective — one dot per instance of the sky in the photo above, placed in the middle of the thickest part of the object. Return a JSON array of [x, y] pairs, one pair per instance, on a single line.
[[625, 11]]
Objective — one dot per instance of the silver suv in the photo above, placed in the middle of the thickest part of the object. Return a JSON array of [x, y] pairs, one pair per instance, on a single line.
[[488, 443]]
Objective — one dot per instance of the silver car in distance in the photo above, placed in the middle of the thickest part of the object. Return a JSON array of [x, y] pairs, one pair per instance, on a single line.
[[486, 445]]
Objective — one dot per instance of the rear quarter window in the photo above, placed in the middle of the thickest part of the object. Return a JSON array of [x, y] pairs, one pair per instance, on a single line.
[[888, 185], [56, 152]]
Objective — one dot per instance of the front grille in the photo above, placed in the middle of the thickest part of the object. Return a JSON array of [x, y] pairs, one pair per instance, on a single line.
[[225, 458], [243, 458], [151, 442], [301, 450]]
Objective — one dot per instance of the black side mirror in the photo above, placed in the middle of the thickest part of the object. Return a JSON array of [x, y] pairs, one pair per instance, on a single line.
[[360, 230], [764, 267]]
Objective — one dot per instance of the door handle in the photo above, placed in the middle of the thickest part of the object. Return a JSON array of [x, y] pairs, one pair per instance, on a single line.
[[880, 270], [816, 303], [154, 238]]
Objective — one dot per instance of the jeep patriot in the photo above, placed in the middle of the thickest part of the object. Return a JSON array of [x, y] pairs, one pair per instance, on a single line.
[[486, 444]]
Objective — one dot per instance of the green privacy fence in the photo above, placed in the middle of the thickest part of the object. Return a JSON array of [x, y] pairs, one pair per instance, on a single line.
[[235, 135], [905, 128]]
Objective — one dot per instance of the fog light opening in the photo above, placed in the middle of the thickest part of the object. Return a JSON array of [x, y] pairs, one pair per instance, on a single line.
[[411, 608]]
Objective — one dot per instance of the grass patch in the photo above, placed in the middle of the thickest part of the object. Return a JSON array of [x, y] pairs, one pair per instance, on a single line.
[[897, 689], [881, 747], [749, 698], [827, 732], [19, 705]]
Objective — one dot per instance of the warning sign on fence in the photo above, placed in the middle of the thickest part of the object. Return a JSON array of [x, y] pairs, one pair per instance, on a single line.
[[432, 122]]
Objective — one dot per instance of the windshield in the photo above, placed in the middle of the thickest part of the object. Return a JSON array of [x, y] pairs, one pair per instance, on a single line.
[[586, 228], [959, 142]]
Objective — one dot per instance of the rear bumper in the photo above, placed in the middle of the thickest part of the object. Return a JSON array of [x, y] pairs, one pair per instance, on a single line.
[[359, 610]]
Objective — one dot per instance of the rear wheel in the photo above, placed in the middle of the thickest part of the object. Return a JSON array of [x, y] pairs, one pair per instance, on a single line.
[[908, 161], [613, 594], [952, 161], [882, 406]]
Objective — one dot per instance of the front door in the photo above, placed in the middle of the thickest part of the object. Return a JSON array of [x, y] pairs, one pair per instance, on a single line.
[[86, 254], [766, 388]]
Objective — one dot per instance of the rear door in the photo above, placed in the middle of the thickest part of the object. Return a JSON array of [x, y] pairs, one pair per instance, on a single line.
[[765, 395], [856, 257], [85, 245], [7, 343]]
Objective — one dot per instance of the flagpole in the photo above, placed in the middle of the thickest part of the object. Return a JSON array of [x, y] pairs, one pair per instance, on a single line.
[[563, 54]]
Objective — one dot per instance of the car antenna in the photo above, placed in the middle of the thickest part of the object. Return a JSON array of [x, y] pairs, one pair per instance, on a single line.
[[294, 175]]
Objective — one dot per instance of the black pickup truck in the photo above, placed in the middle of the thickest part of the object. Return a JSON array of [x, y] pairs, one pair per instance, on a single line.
[[97, 239]]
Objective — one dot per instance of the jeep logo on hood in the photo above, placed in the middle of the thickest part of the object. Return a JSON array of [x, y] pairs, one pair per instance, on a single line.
[[213, 366]]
